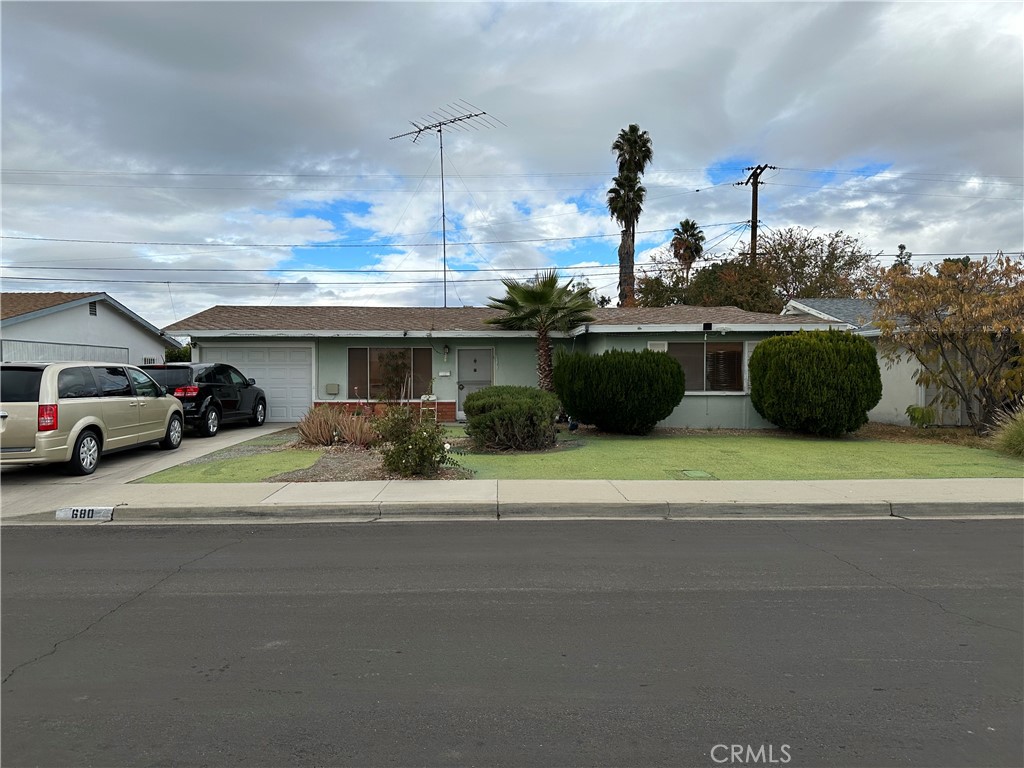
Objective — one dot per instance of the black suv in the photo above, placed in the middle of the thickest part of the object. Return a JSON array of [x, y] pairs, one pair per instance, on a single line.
[[212, 393]]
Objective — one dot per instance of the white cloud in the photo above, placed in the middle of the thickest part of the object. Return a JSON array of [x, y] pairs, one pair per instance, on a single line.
[[933, 92]]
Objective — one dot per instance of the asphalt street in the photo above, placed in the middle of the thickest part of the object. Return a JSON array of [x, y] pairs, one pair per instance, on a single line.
[[515, 643]]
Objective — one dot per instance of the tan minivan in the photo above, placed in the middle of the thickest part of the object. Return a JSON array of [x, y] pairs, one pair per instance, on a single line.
[[75, 412]]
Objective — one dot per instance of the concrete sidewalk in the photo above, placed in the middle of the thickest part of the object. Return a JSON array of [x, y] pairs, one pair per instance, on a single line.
[[33, 496]]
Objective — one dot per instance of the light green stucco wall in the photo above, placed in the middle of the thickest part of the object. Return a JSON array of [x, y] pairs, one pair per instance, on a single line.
[[514, 361], [697, 409]]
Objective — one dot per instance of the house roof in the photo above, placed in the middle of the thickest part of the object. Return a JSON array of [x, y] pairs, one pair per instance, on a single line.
[[17, 304], [20, 307], [341, 321], [857, 313]]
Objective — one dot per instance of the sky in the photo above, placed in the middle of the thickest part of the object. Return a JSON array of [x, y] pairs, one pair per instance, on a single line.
[[183, 155]]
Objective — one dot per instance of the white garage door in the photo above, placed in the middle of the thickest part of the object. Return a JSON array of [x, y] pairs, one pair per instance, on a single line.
[[284, 373]]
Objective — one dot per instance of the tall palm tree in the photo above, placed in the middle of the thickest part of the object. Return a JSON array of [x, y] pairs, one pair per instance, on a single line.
[[625, 204], [634, 150], [687, 245], [633, 154], [543, 306]]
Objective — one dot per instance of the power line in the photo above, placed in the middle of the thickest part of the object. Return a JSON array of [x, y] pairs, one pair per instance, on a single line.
[[945, 178], [891, 192], [326, 245]]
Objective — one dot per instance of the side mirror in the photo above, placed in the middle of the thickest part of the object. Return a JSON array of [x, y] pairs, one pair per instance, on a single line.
[[252, 381]]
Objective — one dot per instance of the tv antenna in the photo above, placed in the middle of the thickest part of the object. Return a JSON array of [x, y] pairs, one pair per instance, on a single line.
[[461, 116]]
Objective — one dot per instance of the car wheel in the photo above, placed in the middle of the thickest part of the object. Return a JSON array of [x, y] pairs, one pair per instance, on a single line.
[[86, 456], [259, 415], [211, 423], [173, 437]]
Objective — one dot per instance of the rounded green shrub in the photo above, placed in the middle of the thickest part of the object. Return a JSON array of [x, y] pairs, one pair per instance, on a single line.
[[818, 382], [509, 418], [619, 391]]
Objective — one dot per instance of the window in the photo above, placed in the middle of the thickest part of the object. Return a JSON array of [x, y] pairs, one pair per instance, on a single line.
[[388, 373], [710, 366], [236, 378], [20, 385], [144, 386], [76, 382], [113, 382]]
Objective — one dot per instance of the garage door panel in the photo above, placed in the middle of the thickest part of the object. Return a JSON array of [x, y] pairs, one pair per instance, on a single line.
[[284, 373]]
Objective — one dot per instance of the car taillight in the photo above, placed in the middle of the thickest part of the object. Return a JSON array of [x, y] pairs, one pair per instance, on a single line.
[[186, 391], [47, 418]]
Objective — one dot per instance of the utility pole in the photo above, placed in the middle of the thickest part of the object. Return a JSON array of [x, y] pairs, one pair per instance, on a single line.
[[453, 117], [754, 179]]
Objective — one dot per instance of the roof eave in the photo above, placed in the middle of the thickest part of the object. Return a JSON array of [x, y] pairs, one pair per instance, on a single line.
[[300, 333], [715, 327]]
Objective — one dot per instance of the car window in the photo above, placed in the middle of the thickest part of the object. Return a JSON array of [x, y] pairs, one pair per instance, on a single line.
[[144, 386], [76, 382], [20, 385], [113, 381], [219, 375], [169, 377], [209, 376], [235, 377]]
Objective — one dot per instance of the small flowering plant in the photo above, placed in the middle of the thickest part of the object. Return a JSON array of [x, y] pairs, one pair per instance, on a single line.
[[411, 447]]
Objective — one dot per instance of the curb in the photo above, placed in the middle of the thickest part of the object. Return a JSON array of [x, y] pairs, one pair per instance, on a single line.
[[663, 510]]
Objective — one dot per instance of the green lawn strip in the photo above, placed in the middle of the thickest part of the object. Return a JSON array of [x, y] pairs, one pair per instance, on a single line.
[[729, 457], [686, 458], [242, 469]]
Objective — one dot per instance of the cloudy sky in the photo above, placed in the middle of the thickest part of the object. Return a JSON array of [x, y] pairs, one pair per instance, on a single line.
[[181, 155]]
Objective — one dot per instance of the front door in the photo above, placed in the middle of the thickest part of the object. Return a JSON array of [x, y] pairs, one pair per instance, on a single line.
[[475, 371]]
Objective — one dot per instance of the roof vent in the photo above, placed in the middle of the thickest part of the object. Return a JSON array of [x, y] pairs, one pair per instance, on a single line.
[[92, 308]]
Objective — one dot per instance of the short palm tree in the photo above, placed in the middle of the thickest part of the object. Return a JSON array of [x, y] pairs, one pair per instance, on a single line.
[[543, 306], [633, 154], [687, 245]]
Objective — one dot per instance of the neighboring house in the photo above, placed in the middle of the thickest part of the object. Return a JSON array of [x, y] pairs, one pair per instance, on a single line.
[[899, 379], [307, 355], [54, 327]]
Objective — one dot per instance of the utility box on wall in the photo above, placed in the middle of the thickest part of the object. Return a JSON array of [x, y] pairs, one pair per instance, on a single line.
[[332, 389]]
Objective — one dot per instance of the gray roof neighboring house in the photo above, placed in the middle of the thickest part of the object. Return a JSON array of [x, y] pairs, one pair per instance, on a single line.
[[856, 313]]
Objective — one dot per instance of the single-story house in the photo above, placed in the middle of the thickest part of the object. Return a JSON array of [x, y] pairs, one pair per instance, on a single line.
[[303, 356], [57, 326], [899, 379]]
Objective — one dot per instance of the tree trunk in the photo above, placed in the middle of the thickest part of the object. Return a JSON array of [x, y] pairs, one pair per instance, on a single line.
[[544, 366], [627, 282]]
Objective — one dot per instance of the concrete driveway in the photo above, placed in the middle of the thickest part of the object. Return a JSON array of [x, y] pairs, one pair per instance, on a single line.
[[126, 466]]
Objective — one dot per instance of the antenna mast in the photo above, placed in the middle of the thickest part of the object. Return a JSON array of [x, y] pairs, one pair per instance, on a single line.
[[461, 116]]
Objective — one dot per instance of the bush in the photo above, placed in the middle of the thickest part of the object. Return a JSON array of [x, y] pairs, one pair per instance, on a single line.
[[921, 415], [623, 392], [327, 425], [320, 425], [511, 418], [1008, 432], [818, 382], [410, 446]]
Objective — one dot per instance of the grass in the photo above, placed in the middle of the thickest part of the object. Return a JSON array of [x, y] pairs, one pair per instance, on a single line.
[[767, 456], [240, 469], [875, 452]]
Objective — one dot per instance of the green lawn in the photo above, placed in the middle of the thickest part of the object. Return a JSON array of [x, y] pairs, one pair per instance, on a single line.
[[731, 457], [588, 456], [241, 469]]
